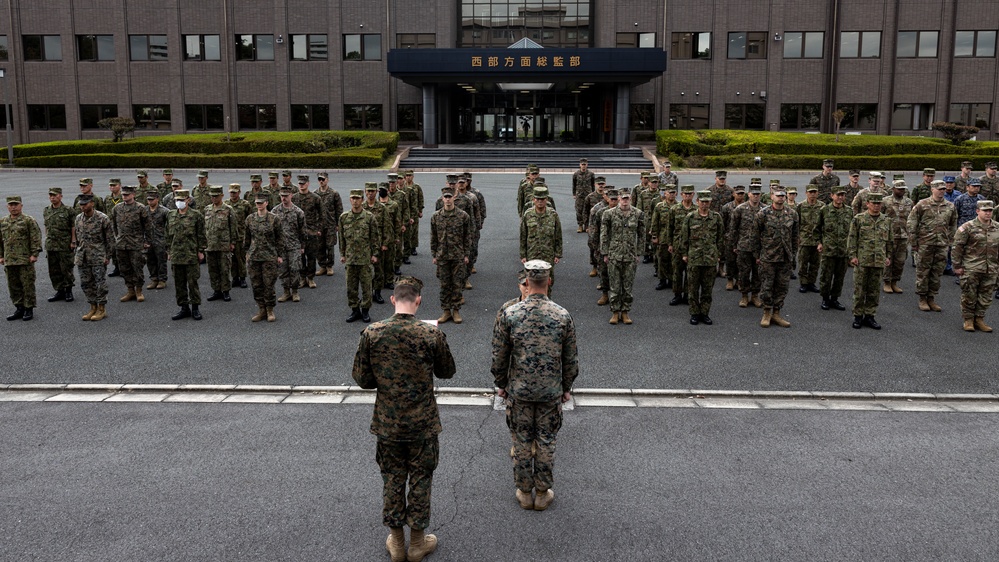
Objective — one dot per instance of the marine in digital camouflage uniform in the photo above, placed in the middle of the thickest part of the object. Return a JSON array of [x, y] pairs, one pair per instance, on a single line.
[[156, 260], [622, 239], [924, 189], [263, 239], [931, 226], [596, 196], [650, 197], [525, 191], [593, 240], [387, 221], [315, 216], [541, 232], [58, 219], [165, 186], [729, 258], [657, 226], [473, 254], [976, 261], [775, 244], [962, 179], [702, 238], [870, 248], [405, 212], [674, 220], [808, 253], [200, 193], [333, 205], [222, 228], [360, 234], [273, 196], [110, 201], [241, 209], [20, 244], [990, 182], [476, 216], [293, 222], [185, 239], [740, 238], [413, 233], [87, 188], [144, 187], [897, 208], [94, 246], [721, 192], [833, 230], [852, 187], [450, 241], [583, 184], [825, 181], [133, 231]]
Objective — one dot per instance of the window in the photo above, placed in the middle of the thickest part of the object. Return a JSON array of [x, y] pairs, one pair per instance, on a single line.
[[91, 114], [148, 47], [688, 116], [202, 47], [636, 40], [46, 117], [416, 40], [799, 115], [803, 44], [860, 44], [254, 47], [912, 116], [974, 114], [257, 117], [310, 117], [362, 47], [3, 48], [410, 117], [745, 116], [151, 116], [500, 23], [642, 117], [975, 44], [917, 43], [359, 117], [747, 45], [310, 47], [204, 117], [860, 116], [3, 116], [42, 47], [95, 47], [691, 46]]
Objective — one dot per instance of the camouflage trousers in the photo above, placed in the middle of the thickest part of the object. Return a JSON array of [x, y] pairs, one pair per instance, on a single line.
[[219, 270], [384, 270], [622, 279], [530, 423], [156, 262], [397, 255], [893, 273], [311, 255], [866, 290], [774, 277], [581, 215], [237, 265], [327, 248], [749, 272], [594, 256], [976, 294], [603, 274], [411, 237], [21, 284], [833, 271], [263, 275], [61, 269], [94, 282], [130, 265], [185, 280], [473, 250], [664, 263], [731, 262], [700, 283], [929, 267], [452, 277], [402, 461], [808, 264], [679, 273], [290, 270], [359, 276]]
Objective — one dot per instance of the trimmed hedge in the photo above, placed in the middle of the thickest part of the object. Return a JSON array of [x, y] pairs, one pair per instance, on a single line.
[[340, 159], [872, 162]]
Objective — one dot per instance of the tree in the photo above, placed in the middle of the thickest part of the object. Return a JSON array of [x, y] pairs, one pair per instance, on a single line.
[[955, 132], [838, 117], [119, 126]]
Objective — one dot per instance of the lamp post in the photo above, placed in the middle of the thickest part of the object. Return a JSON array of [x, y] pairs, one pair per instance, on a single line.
[[6, 109]]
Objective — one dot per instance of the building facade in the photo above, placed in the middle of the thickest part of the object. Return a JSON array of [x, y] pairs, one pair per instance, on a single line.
[[454, 71]]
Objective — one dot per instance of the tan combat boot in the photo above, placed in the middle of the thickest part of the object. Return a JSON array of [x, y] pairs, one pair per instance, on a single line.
[[445, 316], [730, 285], [776, 318], [129, 296], [286, 296], [456, 316], [886, 287], [604, 299], [981, 326], [923, 304], [322, 271], [614, 318], [969, 324], [593, 272], [91, 312], [260, 315], [101, 314], [395, 543], [474, 271], [756, 300], [895, 288], [625, 318], [139, 297], [294, 296], [525, 500], [744, 301], [420, 545], [468, 285], [312, 283], [151, 285], [543, 499], [767, 315], [329, 272], [270, 314], [160, 285], [933, 305]]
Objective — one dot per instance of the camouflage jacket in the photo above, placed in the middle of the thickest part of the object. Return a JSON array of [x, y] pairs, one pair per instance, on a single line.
[[961, 184], [920, 192], [808, 219], [976, 247], [402, 198], [20, 239], [622, 236], [273, 198], [659, 221], [898, 211], [870, 241], [221, 228], [524, 194], [157, 226], [481, 199], [110, 202], [418, 192], [98, 203], [474, 212], [58, 227], [132, 228], [931, 223], [263, 237], [647, 201], [333, 205], [702, 239], [392, 221], [741, 227], [540, 236], [591, 200], [719, 196], [185, 236], [990, 188], [400, 357], [171, 205], [851, 193], [142, 191], [967, 207], [593, 225], [359, 237], [315, 214], [726, 215], [582, 183], [450, 234], [201, 197], [163, 188], [833, 230], [859, 203], [94, 239], [534, 350], [383, 231], [241, 209], [775, 237], [674, 220], [825, 184], [293, 222], [668, 179]]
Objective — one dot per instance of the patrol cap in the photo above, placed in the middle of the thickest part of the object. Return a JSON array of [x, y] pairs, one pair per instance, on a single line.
[[875, 174], [991, 165], [937, 184], [755, 181], [584, 161], [899, 184], [322, 175], [666, 164], [686, 188], [215, 190], [261, 197], [409, 280], [86, 181], [202, 173], [393, 176], [383, 189], [407, 172], [285, 190], [811, 187], [646, 174], [303, 179], [985, 205], [704, 195], [167, 171], [838, 190], [600, 179], [370, 186], [654, 179], [462, 179], [84, 199], [949, 179], [286, 173], [534, 170], [774, 182], [540, 192], [755, 188], [383, 184], [670, 187], [531, 166], [929, 172], [447, 191], [540, 179], [537, 269], [234, 188], [792, 189], [128, 189], [152, 194], [181, 194], [142, 174], [358, 193], [721, 174], [272, 175], [898, 176], [522, 276], [739, 189], [827, 162], [13, 199], [779, 191], [854, 173], [255, 177], [967, 164], [974, 181], [114, 181], [176, 181], [611, 192], [55, 191], [624, 192], [875, 198], [452, 178]]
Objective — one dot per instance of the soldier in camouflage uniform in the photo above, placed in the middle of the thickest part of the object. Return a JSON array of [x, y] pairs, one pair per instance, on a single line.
[[360, 233], [825, 181], [293, 222], [657, 226], [870, 249], [833, 231], [966, 204], [702, 238], [450, 241], [721, 193], [525, 190], [133, 232], [94, 240], [264, 240], [185, 240], [391, 220], [87, 188], [667, 176], [931, 227], [170, 201], [875, 185], [729, 257], [990, 182], [593, 240], [775, 245], [399, 357], [273, 197], [156, 253], [241, 209], [110, 201], [853, 187], [20, 244], [221, 231], [808, 253], [202, 197], [740, 239], [535, 364], [333, 205], [165, 186], [674, 220], [976, 261], [473, 255], [649, 198], [541, 233], [402, 198], [315, 215], [592, 199], [144, 187], [962, 179], [476, 215], [285, 181], [924, 189], [413, 233], [583, 184], [59, 219], [897, 208], [622, 235]]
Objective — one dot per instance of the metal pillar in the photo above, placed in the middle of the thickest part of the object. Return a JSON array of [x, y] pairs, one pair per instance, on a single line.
[[6, 108], [621, 115], [430, 115]]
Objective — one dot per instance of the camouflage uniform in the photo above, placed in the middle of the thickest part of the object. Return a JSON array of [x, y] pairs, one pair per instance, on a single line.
[[241, 209], [728, 256], [400, 357], [359, 237], [920, 192], [851, 193], [668, 178], [740, 235], [622, 237], [450, 241], [808, 254], [169, 201], [185, 238], [58, 251], [541, 237], [976, 250], [591, 200], [657, 226], [273, 197], [674, 220], [202, 199], [293, 222], [384, 270], [524, 193], [133, 231], [582, 186], [859, 203], [966, 207], [870, 243], [833, 232], [264, 242], [473, 254], [98, 203], [593, 243], [315, 216], [646, 203], [417, 204], [775, 244], [701, 241], [990, 188], [405, 213], [535, 361], [931, 227], [720, 195], [94, 246], [897, 209], [156, 260], [825, 184], [20, 240], [333, 206], [110, 202], [221, 232]]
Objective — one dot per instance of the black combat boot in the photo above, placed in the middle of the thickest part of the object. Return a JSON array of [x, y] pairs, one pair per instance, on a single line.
[[184, 312], [377, 297], [69, 294], [114, 272], [355, 314], [662, 285], [195, 313], [705, 319], [858, 321], [225, 296], [825, 304], [364, 315], [871, 322], [406, 261], [695, 319], [28, 314], [216, 295], [677, 299], [837, 305], [60, 295], [242, 282], [18, 314]]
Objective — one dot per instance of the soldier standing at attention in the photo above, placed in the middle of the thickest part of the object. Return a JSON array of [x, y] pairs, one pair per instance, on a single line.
[[650, 197], [592, 199], [976, 260], [94, 240], [59, 219], [593, 240], [333, 208], [312, 205], [360, 234], [962, 179], [875, 185], [133, 231], [931, 227], [701, 241], [825, 181], [476, 215], [897, 208], [673, 223], [721, 193], [241, 209], [251, 195], [870, 249], [87, 188], [391, 221], [924, 189], [20, 244], [990, 182], [775, 243], [534, 366], [165, 186], [144, 186], [285, 181], [114, 185], [170, 201], [667, 176], [833, 232], [413, 233], [657, 225], [622, 234], [541, 233], [740, 235], [808, 253], [185, 239], [966, 204], [264, 240], [293, 222], [385, 226], [202, 197], [473, 255], [853, 188], [402, 198], [525, 191], [221, 231], [450, 240], [729, 257], [582, 186], [399, 357], [274, 188], [156, 253]]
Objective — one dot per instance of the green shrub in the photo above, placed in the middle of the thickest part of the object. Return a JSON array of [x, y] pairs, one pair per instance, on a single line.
[[340, 159], [844, 163]]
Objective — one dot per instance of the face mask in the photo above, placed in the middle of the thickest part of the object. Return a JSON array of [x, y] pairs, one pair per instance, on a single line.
[[181, 205]]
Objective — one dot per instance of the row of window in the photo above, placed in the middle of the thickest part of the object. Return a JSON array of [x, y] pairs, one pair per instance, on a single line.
[[806, 116]]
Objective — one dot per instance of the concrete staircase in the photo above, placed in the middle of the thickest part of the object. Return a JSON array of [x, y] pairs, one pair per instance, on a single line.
[[516, 158]]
